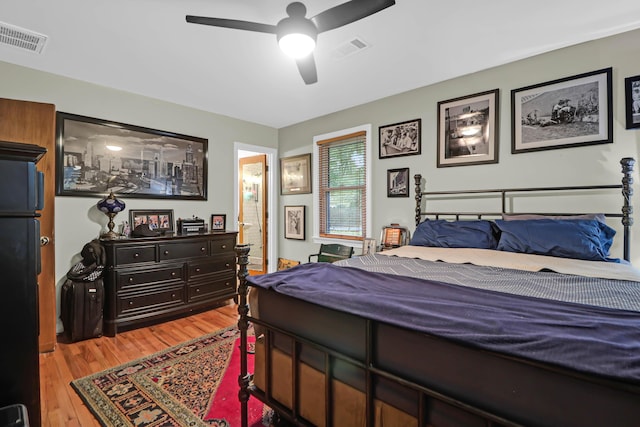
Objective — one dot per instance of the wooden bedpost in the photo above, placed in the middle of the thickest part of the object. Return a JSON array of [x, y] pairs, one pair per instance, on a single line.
[[418, 178], [627, 210], [242, 252]]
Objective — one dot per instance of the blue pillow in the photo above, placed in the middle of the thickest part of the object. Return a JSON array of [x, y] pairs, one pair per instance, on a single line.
[[455, 234], [576, 238]]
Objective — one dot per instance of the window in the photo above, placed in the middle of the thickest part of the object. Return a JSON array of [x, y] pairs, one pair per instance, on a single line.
[[342, 163]]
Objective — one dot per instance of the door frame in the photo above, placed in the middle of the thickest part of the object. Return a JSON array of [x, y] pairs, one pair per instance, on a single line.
[[272, 185]]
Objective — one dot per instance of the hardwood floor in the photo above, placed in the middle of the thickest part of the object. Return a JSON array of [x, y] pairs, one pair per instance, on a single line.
[[61, 406]]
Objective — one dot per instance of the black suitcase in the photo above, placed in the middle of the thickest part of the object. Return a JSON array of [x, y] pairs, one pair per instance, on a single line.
[[82, 302]]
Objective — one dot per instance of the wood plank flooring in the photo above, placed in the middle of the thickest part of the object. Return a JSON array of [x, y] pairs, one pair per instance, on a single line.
[[61, 406]]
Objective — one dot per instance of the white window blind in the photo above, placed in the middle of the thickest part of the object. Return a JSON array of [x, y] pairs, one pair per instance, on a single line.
[[342, 198]]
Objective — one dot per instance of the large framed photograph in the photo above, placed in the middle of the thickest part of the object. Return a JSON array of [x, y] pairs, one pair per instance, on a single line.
[[218, 222], [295, 174], [632, 101], [398, 182], [400, 139], [96, 156], [294, 222], [569, 112], [468, 130], [158, 220]]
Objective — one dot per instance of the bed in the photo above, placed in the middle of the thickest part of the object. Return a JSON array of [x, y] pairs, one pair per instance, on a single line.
[[449, 332]]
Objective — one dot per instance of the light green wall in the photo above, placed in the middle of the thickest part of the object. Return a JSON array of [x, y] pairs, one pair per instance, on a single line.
[[598, 164], [77, 220]]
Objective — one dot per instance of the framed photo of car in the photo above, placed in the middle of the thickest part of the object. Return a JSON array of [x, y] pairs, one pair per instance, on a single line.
[[569, 112]]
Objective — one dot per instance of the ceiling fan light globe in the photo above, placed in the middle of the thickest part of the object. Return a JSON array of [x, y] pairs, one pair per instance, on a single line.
[[297, 45]]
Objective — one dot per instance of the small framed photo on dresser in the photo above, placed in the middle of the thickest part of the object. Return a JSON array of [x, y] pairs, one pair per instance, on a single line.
[[218, 222]]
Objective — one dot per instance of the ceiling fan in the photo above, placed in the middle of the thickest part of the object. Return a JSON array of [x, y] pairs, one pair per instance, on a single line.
[[297, 30]]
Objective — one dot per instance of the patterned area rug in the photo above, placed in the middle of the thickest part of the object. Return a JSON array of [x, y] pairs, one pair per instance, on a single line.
[[192, 384]]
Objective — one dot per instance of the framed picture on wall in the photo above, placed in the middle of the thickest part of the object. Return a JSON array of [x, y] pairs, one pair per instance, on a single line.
[[468, 130], [632, 101], [398, 182], [294, 222], [569, 112], [295, 175], [399, 139], [96, 156]]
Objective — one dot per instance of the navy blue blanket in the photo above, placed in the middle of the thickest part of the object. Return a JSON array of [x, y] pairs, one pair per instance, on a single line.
[[586, 338]]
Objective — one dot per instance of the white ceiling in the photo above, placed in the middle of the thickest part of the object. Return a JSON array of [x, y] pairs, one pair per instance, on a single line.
[[146, 47]]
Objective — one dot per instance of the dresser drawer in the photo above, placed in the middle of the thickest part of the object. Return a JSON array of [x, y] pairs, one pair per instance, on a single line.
[[145, 302], [177, 250], [132, 280], [212, 288], [219, 246], [136, 254], [220, 264]]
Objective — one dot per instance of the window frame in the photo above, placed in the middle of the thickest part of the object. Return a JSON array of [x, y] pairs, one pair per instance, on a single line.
[[346, 240]]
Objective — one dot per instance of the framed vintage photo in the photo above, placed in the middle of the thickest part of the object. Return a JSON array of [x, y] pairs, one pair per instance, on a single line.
[[399, 139], [369, 246], [295, 174], [96, 156], [218, 222], [570, 112], [632, 101], [158, 220], [294, 222], [398, 182], [468, 130]]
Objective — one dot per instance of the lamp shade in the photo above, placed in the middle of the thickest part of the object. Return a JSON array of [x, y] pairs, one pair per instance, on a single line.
[[110, 204]]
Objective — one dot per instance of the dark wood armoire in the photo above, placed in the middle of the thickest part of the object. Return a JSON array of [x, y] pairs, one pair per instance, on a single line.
[[21, 197]]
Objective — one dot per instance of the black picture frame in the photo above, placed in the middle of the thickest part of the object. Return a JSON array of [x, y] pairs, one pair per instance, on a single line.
[[149, 163], [294, 222], [218, 222], [400, 139], [158, 219], [295, 174], [468, 130], [632, 101], [568, 112], [398, 182]]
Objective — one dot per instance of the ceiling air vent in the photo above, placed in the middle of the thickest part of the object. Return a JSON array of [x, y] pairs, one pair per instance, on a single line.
[[21, 38], [349, 48]]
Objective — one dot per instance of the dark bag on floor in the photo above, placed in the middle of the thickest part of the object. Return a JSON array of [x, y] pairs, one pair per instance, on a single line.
[[82, 296]]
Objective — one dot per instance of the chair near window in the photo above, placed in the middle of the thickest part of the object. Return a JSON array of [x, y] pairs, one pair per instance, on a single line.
[[332, 253]]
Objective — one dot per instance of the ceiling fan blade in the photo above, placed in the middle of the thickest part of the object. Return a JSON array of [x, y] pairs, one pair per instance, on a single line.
[[307, 68], [349, 12], [232, 23]]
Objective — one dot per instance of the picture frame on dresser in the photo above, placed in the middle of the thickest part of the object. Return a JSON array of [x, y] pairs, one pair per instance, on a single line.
[[569, 112], [218, 222], [95, 156], [632, 101], [468, 130], [158, 219]]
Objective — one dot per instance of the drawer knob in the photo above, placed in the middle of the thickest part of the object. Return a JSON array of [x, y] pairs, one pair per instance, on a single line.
[[227, 265], [197, 290], [130, 303], [173, 295], [203, 249], [130, 279], [166, 252], [227, 283], [197, 270], [136, 255], [173, 274], [224, 246]]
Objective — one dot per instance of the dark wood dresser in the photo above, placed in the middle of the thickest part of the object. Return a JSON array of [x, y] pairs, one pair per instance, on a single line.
[[152, 279]]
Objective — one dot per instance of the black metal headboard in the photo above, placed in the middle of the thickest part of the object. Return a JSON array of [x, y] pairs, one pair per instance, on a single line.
[[625, 214]]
